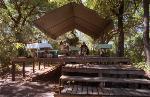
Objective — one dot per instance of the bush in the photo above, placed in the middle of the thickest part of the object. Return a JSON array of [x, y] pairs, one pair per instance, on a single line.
[[142, 65]]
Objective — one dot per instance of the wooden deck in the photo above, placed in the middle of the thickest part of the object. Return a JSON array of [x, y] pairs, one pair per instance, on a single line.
[[91, 91]]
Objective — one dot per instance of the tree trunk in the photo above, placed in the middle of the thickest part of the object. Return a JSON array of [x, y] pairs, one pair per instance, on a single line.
[[120, 49], [146, 31]]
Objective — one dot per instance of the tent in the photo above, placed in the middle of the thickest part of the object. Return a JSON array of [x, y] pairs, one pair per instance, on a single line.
[[38, 46]]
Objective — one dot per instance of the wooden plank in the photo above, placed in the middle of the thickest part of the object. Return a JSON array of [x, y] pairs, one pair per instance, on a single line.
[[111, 92], [104, 91], [142, 92], [100, 92], [80, 89], [104, 69], [69, 65], [64, 90], [90, 92], [75, 89], [80, 65], [93, 59], [79, 78], [135, 92], [117, 91], [94, 89], [70, 88], [104, 79], [84, 90], [73, 66], [76, 66], [68, 95], [126, 92]]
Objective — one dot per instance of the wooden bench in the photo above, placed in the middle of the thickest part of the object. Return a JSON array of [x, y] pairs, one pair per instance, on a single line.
[[95, 91]]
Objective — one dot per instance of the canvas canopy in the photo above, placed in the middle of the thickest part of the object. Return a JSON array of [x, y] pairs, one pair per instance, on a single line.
[[73, 16]]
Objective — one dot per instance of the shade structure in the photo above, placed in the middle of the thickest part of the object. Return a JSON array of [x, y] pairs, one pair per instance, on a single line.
[[39, 46], [73, 16]]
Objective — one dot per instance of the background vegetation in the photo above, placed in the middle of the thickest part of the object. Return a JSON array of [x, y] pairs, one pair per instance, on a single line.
[[16, 26]]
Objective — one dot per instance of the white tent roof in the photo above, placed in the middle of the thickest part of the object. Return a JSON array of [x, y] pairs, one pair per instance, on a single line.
[[39, 45]]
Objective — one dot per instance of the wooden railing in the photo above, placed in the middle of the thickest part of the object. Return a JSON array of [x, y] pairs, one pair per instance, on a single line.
[[63, 60]]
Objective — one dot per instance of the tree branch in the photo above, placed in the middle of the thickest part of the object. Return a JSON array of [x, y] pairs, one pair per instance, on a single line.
[[29, 14]]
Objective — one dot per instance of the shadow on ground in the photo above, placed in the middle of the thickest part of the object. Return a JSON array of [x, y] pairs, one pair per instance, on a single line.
[[27, 89], [45, 85]]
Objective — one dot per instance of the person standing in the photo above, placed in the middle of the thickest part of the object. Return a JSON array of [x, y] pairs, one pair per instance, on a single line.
[[84, 49], [66, 48]]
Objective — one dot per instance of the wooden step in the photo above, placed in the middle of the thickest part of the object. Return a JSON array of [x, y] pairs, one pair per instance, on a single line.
[[103, 79], [90, 91], [103, 69], [102, 60]]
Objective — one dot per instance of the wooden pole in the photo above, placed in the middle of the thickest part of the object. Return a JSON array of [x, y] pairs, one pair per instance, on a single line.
[[23, 69], [39, 65], [33, 65], [13, 71]]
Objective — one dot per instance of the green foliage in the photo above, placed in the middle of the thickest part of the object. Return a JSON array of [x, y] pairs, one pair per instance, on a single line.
[[73, 40], [16, 25], [63, 2], [134, 48], [22, 52], [110, 9], [143, 66]]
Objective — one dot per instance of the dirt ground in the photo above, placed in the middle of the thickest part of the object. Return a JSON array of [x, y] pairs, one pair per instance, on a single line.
[[28, 89], [23, 87]]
